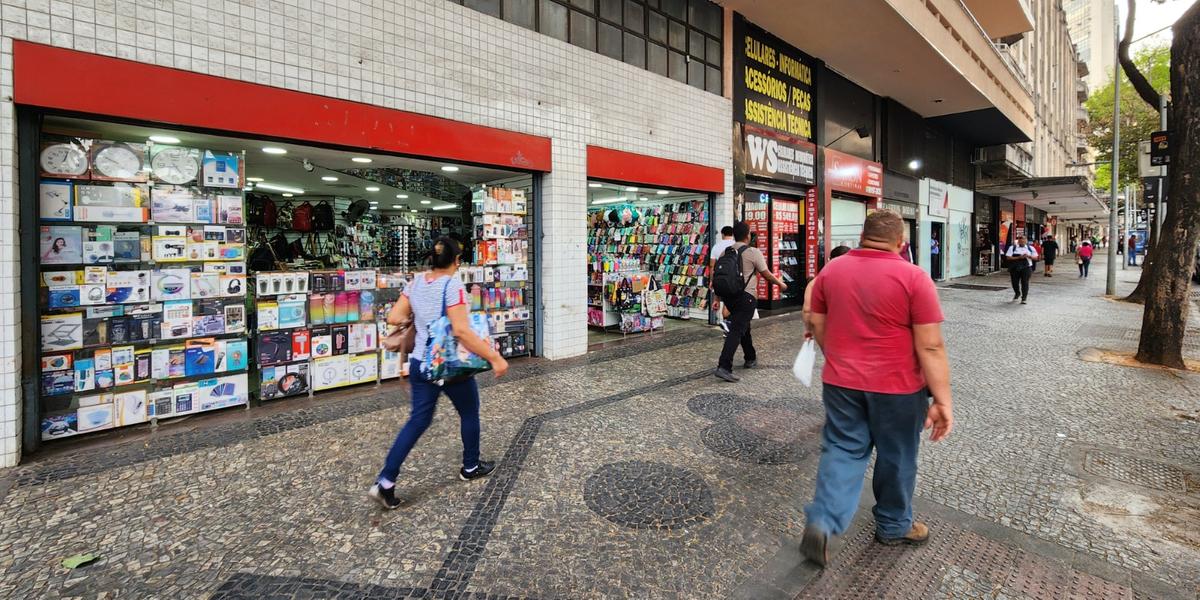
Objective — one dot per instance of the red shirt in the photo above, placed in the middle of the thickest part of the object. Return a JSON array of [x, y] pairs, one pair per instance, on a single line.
[[1085, 252], [871, 300]]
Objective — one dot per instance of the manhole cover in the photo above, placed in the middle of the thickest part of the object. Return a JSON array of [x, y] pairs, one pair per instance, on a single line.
[[1138, 471], [648, 495], [1101, 330], [976, 286]]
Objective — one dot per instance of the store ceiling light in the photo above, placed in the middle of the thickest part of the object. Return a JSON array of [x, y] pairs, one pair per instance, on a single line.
[[255, 179], [449, 168], [280, 188], [372, 189], [373, 207], [164, 139], [662, 192], [287, 195], [361, 159], [397, 206], [631, 189], [595, 185], [609, 201], [402, 196], [274, 150], [412, 210], [446, 207], [329, 178]]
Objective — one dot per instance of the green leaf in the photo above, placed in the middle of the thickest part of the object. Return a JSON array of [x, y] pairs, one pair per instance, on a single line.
[[79, 560]]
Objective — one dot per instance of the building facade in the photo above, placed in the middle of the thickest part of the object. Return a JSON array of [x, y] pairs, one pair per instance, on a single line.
[[1091, 24]]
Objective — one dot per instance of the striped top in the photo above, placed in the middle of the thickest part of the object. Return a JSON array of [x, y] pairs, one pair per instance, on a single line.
[[426, 299]]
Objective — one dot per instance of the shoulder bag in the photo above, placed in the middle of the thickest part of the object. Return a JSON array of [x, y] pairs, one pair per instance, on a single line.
[[446, 359]]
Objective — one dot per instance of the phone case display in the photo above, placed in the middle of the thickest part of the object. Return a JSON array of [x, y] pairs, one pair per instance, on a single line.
[[668, 240], [787, 253], [134, 310], [499, 283]]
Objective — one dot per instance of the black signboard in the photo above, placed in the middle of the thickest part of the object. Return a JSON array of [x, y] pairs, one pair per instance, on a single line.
[[1159, 142], [773, 83], [1154, 190], [775, 156]]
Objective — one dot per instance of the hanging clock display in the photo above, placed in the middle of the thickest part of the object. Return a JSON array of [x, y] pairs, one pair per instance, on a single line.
[[64, 159], [174, 165], [118, 161]]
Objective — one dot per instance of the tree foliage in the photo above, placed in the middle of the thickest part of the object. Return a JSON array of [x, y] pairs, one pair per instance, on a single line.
[[1138, 120]]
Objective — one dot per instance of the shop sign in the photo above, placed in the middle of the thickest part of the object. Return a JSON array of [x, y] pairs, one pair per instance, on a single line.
[[773, 83], [811, 235], [847, 173], [906, 211], [1154, 189], [939, 198], [899, 187], [778, 157], [1160, 149]]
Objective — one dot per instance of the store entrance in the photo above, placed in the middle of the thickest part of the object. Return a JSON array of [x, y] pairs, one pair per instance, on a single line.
[[648, 260], [777, 229], [937, 237]]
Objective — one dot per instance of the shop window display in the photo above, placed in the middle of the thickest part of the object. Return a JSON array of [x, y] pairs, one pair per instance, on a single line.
[[205, 272]]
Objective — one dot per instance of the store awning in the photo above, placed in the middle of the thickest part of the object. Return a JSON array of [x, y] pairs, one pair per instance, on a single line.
[[1068, 198]]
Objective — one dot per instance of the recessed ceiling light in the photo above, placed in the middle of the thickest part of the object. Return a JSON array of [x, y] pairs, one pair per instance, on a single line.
[[631, 189], [914, 164], [361, 159], [397, 206], [426, 202], [274, 150], [402, 196], [372, 189], [643, 198], [445, 207], [254, 179], [373, 207], [595, 185], [248, 188], [449, 168], [663, 192], [164, 139], [288, 195], [329, 178], [280, 188]]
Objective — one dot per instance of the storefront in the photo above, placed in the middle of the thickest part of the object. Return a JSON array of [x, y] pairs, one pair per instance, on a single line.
[[958, 232], [192, 258], [774, 158], [985, 235], [900, 196], [650, 227], [935, 213], [852, 187]]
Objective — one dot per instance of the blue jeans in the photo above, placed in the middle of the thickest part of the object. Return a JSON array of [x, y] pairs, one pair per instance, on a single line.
[[1133, 258], [465, 397], [855, 423]]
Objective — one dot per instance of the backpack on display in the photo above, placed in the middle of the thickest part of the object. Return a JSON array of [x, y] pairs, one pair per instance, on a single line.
[[302, 218], [322, 217], [727, 279], [262, 211]]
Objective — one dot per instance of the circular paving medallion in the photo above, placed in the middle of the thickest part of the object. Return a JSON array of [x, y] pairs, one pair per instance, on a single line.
[[765, 435], [719, 406], [648, 495]]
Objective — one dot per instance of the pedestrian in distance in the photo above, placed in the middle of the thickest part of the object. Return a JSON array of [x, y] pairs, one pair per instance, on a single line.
[[878, 321], [806, 311], [1133, 240], [735, 283], [717, 250], [1020, 258], [1050, 254], [429, 296], [1084, 258]]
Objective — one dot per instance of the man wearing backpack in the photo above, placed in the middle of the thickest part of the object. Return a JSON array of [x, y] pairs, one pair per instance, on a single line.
[[734, 282]]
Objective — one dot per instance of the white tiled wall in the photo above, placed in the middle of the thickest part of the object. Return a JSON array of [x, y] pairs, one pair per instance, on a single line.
[[427, 56]]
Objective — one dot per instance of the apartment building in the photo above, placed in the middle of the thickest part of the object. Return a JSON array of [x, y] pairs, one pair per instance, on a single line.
[[1091, 23]]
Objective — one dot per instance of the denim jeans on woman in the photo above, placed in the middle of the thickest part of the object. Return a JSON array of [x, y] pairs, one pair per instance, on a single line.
[[465, 397]]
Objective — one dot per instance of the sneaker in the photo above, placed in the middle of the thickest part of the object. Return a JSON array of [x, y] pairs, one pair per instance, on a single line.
[[1023, 301], [1015, 297], [386, 497], [919, 534], [484, 469], [815, 546], [750, 364], [726, 375]]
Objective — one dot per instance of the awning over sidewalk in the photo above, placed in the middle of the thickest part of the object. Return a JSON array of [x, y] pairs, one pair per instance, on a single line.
[[1070, 198]]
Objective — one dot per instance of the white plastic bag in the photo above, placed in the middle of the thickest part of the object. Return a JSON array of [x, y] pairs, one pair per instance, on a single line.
[[803, 367]]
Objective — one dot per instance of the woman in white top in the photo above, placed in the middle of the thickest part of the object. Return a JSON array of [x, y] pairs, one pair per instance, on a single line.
[[1020, 257]]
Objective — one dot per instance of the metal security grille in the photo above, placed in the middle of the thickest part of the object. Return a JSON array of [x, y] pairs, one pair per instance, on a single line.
[[1139, 471]]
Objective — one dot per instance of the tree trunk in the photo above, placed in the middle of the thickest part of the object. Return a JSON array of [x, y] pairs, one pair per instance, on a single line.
[[1165, 318], [1146, 280]]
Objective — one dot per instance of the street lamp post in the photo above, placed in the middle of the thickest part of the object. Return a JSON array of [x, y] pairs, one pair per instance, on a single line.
[[1110, 286]]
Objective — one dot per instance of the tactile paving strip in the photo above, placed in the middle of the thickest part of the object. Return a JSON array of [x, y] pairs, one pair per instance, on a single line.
[[1138, 471]]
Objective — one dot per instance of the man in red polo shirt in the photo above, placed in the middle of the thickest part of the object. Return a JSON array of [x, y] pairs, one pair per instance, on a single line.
[[878, 321]]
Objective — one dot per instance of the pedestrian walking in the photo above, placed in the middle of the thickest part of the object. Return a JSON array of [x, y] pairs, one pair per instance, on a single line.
[[1133, 241], [806, 311], [717, 250], [430, 296], [1084, 258], [1049, 254], [1074, 244], [878, 320], [1020, 258], [734, 281]]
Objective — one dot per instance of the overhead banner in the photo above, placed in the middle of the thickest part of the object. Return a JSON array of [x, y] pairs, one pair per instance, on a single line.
[[773, 83], [775, 156]]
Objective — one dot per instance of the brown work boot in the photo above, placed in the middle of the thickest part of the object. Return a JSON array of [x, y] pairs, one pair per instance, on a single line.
[[815, 545], [919, 534]]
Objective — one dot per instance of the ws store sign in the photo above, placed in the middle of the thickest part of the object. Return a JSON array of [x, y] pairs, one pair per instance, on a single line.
[[773, 96]]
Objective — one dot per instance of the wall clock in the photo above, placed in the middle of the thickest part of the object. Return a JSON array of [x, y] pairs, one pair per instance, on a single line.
[[64, 159], [176, 166], [118, 161]]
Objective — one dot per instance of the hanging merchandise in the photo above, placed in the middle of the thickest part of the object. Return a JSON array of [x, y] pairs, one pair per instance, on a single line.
[[654, 300], [322, 216], [499, 281], [302, 218]]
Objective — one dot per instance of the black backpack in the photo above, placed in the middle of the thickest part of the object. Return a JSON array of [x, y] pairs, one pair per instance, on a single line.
[[322, 217], [727, 278]]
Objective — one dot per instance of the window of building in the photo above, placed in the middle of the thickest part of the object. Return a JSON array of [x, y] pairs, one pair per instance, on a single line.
[[680, 39]]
